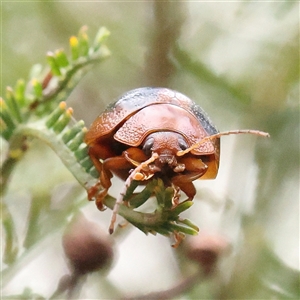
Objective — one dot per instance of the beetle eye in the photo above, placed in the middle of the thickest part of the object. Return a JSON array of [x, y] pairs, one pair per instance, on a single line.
[[148, 146], [182, 144]]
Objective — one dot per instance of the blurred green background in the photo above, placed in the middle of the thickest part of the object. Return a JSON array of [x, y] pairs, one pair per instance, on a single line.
[[240, 62]]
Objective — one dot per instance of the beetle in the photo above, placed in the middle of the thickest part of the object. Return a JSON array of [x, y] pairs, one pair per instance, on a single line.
[[162, 127]]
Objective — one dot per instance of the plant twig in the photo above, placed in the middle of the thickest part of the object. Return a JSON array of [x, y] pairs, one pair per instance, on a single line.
[[173, 292]]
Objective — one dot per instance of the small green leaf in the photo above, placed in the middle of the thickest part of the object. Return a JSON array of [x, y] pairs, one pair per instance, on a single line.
[[61, 58], [181, 207], [82, 152], [101, 36], [11, 242], [138, 199], [63, 120], [175, 227], [54, 66], [54, 116], [163, 195], [74, 45], [37, 88], [87, 164], [20, 92], [6, 117], [169, 194], [189, 224], [71, 133], [12, 104], [83, 41], [131, 189], [76, 141], [91, 170]]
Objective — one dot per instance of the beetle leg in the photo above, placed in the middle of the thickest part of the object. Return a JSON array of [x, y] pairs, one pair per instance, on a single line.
[[194, 169], [96, 152], [186, 185], [137, 156], [178, 237], [176, 196], [118, 165]]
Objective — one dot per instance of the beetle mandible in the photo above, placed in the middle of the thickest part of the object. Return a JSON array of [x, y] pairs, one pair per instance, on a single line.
[[160, 121]]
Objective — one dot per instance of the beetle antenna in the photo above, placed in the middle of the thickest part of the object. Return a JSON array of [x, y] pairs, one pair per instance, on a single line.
[[218, 135], [130, 178]]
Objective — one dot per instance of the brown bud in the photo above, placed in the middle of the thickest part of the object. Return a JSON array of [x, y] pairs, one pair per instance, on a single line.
[[205, 249], [87, 247]]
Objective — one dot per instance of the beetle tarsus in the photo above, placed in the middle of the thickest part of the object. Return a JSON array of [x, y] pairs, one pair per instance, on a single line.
[[178, 237]]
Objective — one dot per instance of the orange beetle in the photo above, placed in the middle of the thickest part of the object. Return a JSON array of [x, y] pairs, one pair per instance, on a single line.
[[148, 120], [161, 127]]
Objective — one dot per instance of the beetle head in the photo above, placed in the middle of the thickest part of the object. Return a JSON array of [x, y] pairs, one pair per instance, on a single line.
[[166, 144]]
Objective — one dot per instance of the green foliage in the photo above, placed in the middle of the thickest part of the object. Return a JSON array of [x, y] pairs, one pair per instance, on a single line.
[[25, 110], [165, 219]]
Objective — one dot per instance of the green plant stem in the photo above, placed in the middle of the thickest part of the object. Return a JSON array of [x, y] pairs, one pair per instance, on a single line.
[[16, 150], [6, 170], [134, 217], [158, 221], [63, 84], [184, 285], [11, 243], [40, 131]]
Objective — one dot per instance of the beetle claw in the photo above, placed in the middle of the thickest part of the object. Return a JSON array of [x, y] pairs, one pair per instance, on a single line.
[[179, 237], [99, 200], [176, 196], [92, 191]]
